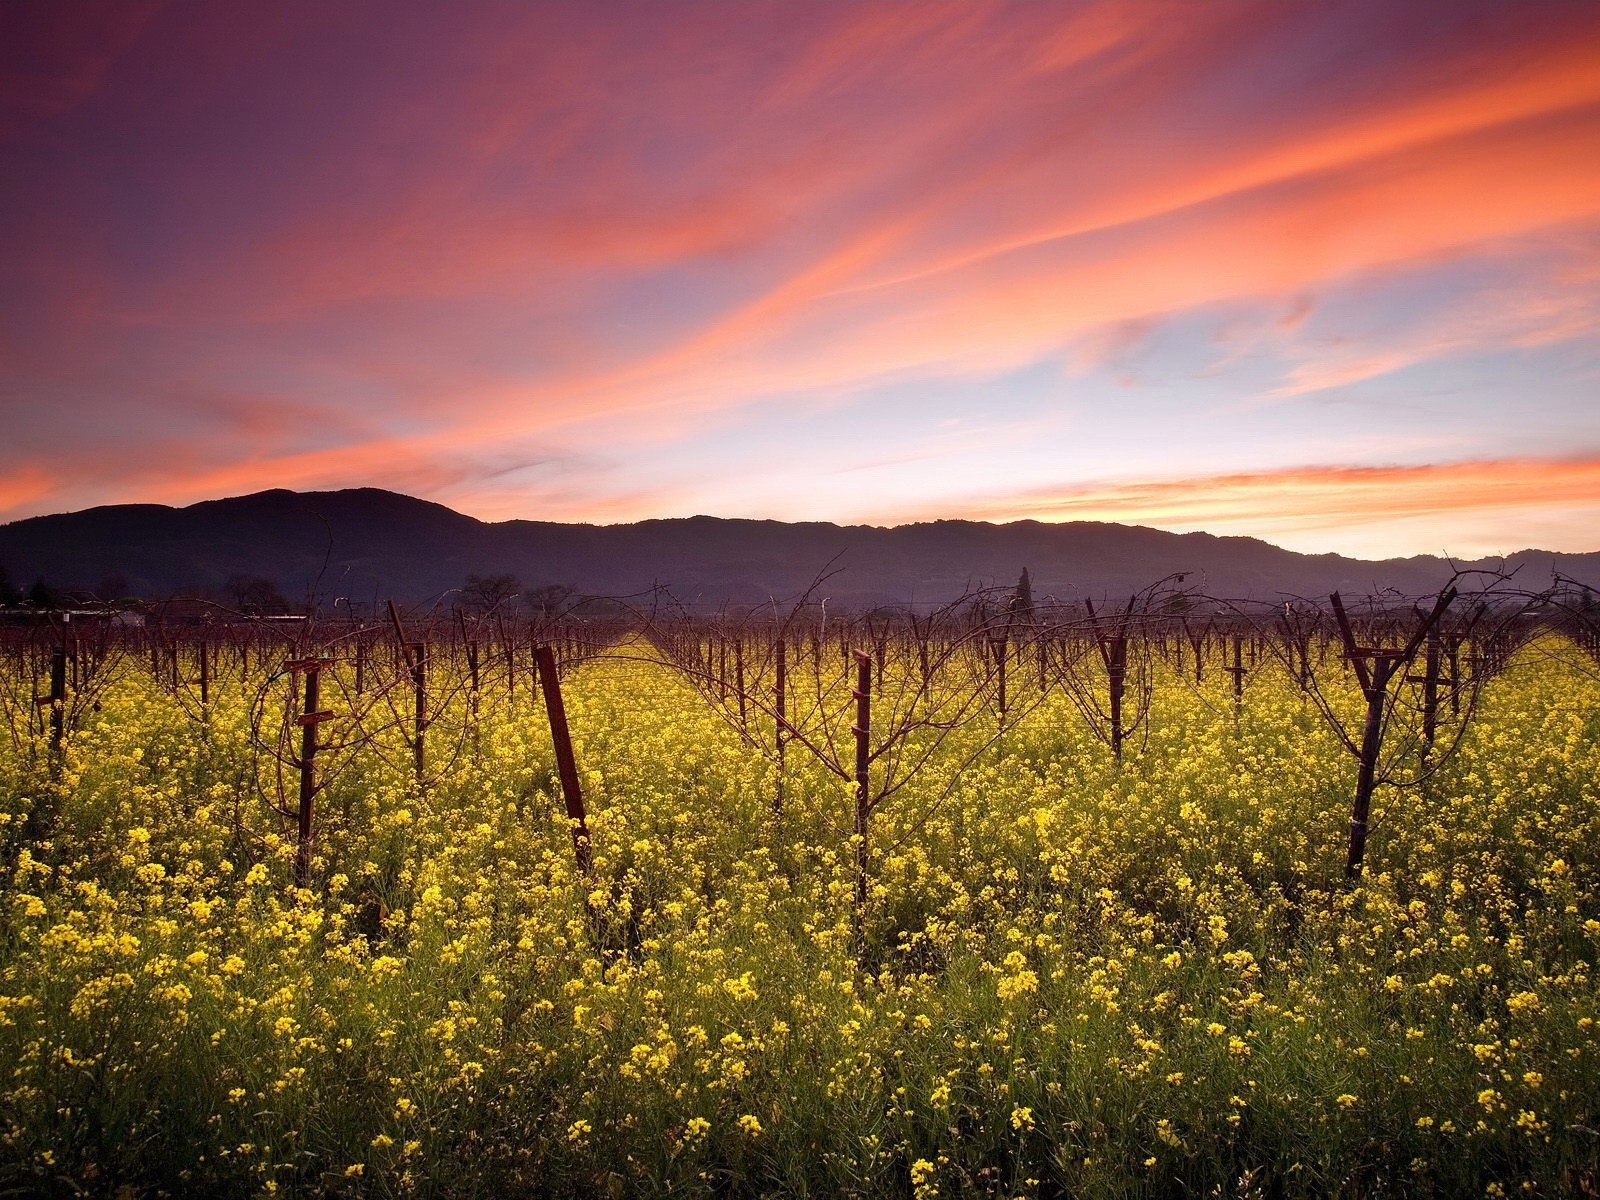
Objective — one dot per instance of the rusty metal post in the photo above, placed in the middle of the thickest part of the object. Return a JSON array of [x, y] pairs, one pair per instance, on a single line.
[[566, 761]]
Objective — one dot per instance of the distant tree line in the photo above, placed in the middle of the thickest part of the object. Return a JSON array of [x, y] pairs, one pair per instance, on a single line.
[[256, 595]]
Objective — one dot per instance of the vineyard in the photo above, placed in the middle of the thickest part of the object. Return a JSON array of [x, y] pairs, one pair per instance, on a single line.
[[1168, 896]]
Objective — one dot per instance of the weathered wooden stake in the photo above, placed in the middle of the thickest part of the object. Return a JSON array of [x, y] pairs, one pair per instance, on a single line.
[[566, 762], [863, 734], [417, 654], [58, 708], [415, 657], [1117, 677], [1430, 689], [309, 715], [998, 645], [738, 680], [205, 678], [780, 700]]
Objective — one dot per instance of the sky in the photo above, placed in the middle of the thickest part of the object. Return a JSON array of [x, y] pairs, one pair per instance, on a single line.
[[1325, 272]]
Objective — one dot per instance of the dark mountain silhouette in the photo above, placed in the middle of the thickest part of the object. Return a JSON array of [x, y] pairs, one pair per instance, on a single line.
[[368, 544]]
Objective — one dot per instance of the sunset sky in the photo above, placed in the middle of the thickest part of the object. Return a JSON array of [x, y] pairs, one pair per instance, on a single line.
[[1326, 273]]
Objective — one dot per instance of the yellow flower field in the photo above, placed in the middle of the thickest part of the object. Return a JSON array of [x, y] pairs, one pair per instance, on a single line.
[[1068, 978]]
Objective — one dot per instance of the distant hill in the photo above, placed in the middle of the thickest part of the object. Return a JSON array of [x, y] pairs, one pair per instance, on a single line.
[[366, 544]]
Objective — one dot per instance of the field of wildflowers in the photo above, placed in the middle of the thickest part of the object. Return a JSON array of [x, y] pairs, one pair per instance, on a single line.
[[1069, 977]]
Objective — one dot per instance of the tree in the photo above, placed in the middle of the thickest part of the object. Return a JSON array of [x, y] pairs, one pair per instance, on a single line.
[[42, 595], [1021, 605], [255, 595], [490, 593], [547, 599]]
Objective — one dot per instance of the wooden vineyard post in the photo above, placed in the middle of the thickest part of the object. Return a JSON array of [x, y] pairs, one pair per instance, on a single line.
[[1237, 671], [415, 655], [56, 701], [58, 706], [205, 677], [1117, 678], [311, 715], [781, 709], [1455, 676], [738, 681], [1430, 689], [862, 729], [998, 646], [566, 761]]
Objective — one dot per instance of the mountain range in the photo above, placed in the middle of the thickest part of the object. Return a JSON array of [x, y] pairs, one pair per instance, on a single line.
[[367, 544]]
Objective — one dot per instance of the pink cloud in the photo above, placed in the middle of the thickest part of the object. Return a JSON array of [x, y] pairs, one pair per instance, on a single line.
[[669, 215]]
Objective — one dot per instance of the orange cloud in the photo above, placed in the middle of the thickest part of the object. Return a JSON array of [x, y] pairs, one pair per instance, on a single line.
[[24, 488], [1315, 498], [1456, 172]]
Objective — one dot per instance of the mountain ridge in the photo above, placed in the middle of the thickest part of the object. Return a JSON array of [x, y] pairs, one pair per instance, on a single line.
[[369, 543]]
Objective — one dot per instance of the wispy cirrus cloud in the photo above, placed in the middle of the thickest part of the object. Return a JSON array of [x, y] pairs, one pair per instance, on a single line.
[[625, 235]]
